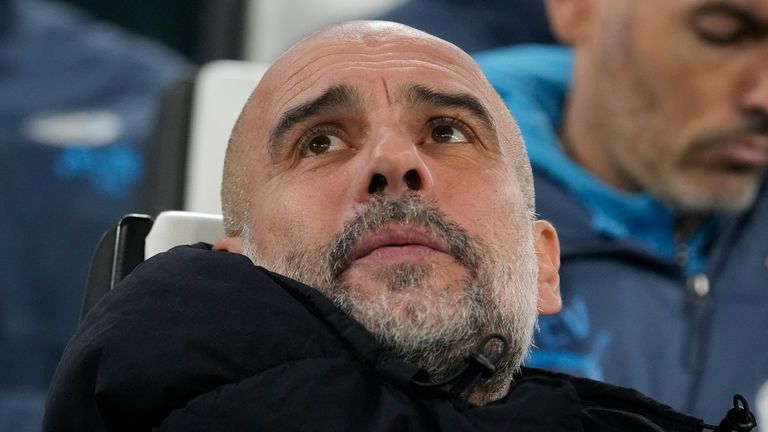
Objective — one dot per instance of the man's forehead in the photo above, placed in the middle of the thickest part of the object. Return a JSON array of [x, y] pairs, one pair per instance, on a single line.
[[387, 64], [363, 94], [321, 63]]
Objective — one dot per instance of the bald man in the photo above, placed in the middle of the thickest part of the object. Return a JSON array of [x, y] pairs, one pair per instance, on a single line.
[[383, 269]]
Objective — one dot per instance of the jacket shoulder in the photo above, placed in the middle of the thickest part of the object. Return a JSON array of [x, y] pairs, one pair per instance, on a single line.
[[183, 323], [605, 407]]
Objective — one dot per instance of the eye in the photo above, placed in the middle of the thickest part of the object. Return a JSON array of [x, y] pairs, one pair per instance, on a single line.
[[449, 131], [319, 143], [725, 26], [719, 29]]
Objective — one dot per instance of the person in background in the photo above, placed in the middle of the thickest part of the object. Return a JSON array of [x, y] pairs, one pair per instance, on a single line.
[[475, 25], [77, 102], [649, 145]]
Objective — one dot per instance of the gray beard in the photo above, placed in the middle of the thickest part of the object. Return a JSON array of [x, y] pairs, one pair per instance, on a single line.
[[434, 329]]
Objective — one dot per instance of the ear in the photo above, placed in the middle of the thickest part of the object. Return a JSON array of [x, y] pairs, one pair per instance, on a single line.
[[548, 254], [229, 244], [570, 19]]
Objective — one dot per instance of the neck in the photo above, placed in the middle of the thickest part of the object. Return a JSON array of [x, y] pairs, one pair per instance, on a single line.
[[581, 138]]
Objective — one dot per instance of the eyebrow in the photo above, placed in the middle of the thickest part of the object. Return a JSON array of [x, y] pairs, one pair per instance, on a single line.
[[419, 94], [334, 97]]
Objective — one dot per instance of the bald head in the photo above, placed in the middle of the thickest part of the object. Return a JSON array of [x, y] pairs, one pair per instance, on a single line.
[[307, 69]]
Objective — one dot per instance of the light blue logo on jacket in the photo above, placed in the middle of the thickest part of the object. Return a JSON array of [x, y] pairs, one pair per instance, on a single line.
[[112, 171], [566, 342]]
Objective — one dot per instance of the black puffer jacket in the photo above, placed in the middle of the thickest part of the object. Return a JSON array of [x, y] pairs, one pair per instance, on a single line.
[[196, 340]]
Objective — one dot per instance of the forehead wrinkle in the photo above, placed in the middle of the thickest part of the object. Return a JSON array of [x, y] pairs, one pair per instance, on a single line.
[[290, 87], [303, 84], [386, 90], [394, 60]]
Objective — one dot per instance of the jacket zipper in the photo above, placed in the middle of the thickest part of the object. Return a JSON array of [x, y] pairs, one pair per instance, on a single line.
[[698, 288]]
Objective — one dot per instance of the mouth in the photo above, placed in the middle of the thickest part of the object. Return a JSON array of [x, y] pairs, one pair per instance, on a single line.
[[742, 155], [398, 244]]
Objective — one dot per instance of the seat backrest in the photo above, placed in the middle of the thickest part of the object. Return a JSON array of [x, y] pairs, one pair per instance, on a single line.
[[221, 90], [118, 252], [137, 237], [186, 155], [173, 228]]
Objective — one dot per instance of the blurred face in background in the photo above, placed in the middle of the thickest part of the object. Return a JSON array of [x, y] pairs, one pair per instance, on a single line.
[[670, 97]]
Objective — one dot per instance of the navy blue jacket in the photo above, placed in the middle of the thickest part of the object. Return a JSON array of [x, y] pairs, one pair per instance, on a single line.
[[195, 340], [632, 317]]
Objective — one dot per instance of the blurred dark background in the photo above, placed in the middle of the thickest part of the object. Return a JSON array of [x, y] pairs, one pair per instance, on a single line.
[[201, 30]]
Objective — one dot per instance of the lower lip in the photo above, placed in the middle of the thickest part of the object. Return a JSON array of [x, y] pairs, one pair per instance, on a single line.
[[409, 253]]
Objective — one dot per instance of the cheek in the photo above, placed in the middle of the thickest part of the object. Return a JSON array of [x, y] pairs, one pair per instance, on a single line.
[[488, 205], [294, 216], [695, 87]]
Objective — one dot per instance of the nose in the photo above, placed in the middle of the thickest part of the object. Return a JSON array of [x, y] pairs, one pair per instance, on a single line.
[[392, 165], [755, 98]]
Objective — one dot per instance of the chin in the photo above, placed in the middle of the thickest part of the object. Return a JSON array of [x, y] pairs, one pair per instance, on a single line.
[[727, 196], [410, 295], [406, 279]]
